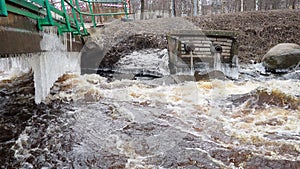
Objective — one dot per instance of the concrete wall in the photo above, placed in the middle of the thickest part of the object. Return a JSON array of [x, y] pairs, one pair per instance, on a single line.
[[46, 53]]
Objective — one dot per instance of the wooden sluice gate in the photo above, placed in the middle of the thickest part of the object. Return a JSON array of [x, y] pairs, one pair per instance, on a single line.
[[191, 49]]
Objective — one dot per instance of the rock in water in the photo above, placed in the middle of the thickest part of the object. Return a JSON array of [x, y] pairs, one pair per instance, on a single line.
[[215, 74], [172, 79], [282, 57]]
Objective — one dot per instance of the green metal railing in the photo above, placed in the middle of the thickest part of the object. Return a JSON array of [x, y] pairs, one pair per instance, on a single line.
[[3, 10], [47, 15]]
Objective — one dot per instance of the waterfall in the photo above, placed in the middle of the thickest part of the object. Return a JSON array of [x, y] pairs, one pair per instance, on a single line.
[[230, 70], [217, 61]]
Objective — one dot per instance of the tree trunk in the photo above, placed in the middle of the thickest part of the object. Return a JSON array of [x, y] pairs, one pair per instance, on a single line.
[[256, 5], [142, 9], [173, 8], [195, 8], [293, 4], [242, 5], [200, 7]]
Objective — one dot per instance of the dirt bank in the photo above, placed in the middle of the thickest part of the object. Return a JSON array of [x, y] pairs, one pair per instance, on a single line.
[[258, 31]]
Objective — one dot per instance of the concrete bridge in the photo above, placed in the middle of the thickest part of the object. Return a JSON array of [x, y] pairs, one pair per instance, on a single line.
[[48, 34]]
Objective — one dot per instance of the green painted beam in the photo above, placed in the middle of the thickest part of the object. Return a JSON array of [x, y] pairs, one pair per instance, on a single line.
[[81, 18], [3, 9], [91, 11], [42, 11], [75, 17], [68, 25], [98, 14], [104, 1], [104, 14], [28, 5], [19, 11], [39, 2]]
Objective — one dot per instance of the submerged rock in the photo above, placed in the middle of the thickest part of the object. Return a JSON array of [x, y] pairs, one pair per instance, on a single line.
[[210, 75], [282, 57], [261, 97], [121, 76], [172, 79]]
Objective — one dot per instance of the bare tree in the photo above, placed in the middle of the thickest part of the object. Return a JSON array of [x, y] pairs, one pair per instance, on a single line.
[[242, 5], [293, 4], [142, 9], [173, 7]]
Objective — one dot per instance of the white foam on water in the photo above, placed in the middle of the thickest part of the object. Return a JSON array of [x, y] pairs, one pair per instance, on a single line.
[[154, 60], [115, 116], [197, 109]]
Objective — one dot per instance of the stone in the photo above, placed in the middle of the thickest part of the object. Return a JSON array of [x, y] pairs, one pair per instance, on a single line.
[[172, 79], [282, 57], [215, 74], [121, 76]]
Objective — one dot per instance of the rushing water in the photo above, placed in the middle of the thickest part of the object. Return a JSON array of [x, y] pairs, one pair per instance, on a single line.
[[88, 122]]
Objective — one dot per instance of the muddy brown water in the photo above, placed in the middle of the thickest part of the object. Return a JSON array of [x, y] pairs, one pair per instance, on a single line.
[[88, 122]]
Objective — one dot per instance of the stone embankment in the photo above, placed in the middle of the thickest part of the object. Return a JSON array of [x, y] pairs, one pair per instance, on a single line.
[[121, 38], [258, 32]]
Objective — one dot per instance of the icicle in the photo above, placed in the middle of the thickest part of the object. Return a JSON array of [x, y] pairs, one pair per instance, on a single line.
[[48, 66]]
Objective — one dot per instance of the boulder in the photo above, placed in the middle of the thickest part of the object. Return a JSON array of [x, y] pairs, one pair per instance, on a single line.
[[215, 74], [282, 57]]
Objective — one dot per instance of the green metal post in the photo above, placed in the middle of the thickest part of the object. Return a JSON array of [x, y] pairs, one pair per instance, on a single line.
[[125, 9], [75, 17], [91, 11], [81, 18], [66, 16], [49, 15], [48, 20], [3, 10]]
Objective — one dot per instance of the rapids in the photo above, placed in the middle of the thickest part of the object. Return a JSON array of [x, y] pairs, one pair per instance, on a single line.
[[88, 121]]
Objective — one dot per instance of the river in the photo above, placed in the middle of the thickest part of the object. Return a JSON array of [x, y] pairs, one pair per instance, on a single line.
[[89, 121]]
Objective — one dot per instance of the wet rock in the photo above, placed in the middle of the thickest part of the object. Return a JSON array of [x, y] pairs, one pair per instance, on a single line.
[[210, 75], [262, 96], [172, 79], [121, 76], [6, 133], [282, 57], [263, 162]]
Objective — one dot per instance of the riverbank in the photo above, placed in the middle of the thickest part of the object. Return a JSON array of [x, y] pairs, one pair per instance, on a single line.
[[258, 32]]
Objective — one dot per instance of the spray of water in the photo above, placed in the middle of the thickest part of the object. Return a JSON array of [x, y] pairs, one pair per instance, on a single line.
[[217, 61]]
